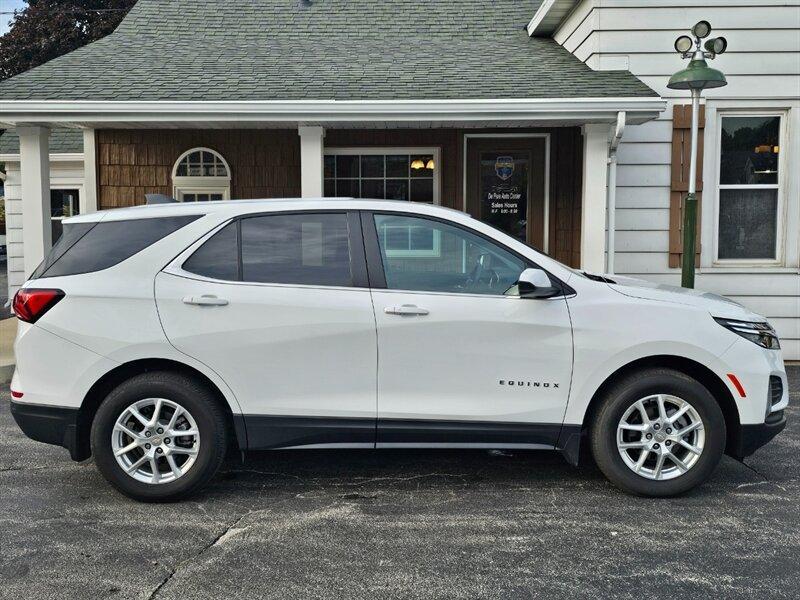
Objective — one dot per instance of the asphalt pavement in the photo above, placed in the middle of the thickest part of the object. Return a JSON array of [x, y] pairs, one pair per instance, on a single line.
[[399, 524]]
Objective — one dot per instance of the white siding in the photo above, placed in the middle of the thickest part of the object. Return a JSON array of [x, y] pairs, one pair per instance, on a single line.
[[763, 71], [63, 174]]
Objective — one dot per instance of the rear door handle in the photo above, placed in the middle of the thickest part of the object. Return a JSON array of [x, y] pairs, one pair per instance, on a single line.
[[406, 309], [205, 301]]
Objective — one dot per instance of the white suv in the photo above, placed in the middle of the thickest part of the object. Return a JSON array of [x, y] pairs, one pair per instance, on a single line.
[[154, 337]]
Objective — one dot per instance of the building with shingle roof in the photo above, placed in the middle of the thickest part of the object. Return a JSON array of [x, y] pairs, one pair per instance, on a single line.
[[506, 109]]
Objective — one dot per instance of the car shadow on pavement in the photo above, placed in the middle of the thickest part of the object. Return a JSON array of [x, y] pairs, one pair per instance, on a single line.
[[401, 469]]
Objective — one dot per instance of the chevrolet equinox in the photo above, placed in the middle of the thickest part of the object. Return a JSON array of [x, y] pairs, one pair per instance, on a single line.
[[153, 338]]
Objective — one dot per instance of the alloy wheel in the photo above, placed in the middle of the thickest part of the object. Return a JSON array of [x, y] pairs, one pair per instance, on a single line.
[[155, 440], [660, 437]]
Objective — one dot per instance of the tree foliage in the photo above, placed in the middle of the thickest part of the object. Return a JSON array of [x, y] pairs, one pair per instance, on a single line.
[[45, 29]]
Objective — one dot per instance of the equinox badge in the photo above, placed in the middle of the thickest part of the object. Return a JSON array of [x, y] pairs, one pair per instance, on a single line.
[[536, 384]]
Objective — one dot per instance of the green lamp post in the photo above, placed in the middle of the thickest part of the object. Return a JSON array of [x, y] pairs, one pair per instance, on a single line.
[[695, 78]]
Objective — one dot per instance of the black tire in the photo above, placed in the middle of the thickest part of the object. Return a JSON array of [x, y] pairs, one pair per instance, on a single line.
[[190, 394], [626, 392]]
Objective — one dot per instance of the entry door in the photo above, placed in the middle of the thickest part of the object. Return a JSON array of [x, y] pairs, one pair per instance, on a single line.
[[278, 306], [505, 185], [462, 358]]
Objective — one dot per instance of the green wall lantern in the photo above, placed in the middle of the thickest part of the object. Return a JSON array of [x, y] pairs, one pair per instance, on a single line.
[[696, 77]]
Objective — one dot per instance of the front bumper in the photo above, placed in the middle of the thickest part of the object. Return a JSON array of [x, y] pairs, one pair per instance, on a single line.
[[49, 424], [752, 437]]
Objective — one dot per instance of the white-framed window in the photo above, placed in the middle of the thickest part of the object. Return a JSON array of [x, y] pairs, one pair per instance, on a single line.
[[201, 175], [394, 173], [749, 209], [64, 203]]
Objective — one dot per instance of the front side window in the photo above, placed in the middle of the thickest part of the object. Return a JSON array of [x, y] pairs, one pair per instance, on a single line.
[[465, 263], [201, 175], [749, 189]]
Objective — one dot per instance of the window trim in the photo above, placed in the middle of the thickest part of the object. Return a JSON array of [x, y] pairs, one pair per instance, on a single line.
[[186, 184], [780, 186], [368, 273]]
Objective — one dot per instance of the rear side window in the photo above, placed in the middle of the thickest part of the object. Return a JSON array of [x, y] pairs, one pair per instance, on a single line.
[[310, 249], [90, 247], [306, 249]]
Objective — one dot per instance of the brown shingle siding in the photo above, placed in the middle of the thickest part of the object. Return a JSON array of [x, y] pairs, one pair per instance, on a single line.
[[132, 163]]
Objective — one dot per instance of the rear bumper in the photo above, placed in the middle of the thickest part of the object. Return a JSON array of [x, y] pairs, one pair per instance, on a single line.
[[752, 437], [49, 424]]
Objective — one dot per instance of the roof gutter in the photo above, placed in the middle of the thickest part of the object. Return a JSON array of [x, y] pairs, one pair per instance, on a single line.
[[88, 113]]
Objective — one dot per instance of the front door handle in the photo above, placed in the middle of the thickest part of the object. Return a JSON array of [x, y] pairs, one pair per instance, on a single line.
[[406, 309], [205, 301]]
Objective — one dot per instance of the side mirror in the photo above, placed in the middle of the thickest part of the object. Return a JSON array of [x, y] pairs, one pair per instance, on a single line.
[[535, 283]]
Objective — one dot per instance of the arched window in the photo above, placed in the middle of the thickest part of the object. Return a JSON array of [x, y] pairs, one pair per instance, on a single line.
[[200, 175]]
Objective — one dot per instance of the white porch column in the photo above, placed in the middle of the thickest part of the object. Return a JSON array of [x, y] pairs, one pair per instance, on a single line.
[[89, 200], [312, 148], [34, 150], [593, 209]]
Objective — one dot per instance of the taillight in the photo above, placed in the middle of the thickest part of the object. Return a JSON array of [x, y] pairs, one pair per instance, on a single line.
[[30, 304]]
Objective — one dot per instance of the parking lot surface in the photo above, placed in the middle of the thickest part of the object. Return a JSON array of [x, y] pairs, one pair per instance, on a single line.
[[391, 524]]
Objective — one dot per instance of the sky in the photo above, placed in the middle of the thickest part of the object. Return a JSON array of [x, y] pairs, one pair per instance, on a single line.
[[8, 6]]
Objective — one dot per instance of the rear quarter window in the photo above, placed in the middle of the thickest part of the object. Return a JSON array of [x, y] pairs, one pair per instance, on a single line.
[[218, 257], [90, 247]]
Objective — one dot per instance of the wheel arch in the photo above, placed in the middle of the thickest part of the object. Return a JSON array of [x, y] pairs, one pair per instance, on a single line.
[[105, 384], [693, 369]]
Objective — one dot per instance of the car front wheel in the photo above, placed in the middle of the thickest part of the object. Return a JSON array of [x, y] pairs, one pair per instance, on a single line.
[[658, 433], [159, 436]]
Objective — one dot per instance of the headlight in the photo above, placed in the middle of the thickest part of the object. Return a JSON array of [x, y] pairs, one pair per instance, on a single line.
[[758, 332]]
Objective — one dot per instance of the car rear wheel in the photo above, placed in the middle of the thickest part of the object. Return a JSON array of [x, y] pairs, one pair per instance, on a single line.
[[658, 433], [159, 436]]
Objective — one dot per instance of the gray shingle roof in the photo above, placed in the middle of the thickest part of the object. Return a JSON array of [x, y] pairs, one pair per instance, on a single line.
[[62, 141], [334, 49]]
